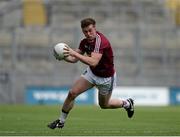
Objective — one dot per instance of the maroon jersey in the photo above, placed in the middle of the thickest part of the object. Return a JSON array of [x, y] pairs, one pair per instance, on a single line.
[[105, 67]]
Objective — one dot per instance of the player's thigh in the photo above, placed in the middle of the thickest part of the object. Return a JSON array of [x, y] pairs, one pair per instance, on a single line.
[[80, 86], [105, 88], [104, 98]]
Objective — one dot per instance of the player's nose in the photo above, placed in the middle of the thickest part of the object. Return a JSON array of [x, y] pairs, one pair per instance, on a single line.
[[89, 33]]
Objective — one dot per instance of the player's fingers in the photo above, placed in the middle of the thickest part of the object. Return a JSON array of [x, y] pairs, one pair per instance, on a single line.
[[66, 49], [65, 56], [67, 46], [66, 53]]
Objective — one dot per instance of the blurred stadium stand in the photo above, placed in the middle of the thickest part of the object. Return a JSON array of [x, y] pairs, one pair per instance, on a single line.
[[144, 34]]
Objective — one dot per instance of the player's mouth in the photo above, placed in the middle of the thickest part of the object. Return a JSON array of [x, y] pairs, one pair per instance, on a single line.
[[90, 38]]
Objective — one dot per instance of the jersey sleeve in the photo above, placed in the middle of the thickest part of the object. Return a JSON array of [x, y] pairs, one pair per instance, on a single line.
[[100, 45]]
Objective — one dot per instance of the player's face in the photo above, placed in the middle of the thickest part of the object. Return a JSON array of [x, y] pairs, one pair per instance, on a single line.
[[90, 32]]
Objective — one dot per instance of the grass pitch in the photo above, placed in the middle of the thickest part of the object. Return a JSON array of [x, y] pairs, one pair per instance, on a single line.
[[21, 120]]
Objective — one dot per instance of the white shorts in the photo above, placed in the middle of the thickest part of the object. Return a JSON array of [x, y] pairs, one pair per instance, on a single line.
[[104, 85]]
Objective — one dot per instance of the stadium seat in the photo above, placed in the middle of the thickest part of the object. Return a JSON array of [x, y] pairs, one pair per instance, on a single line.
[[34, 13], [174, 6]]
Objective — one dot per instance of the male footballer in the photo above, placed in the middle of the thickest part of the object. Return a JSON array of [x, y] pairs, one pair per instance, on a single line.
[[95, 51]]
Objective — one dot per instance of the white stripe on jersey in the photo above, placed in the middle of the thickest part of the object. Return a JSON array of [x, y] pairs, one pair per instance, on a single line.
[[98, 43]]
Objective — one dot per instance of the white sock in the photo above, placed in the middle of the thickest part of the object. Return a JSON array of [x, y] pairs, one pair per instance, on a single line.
[[125, 104], [63, 116]]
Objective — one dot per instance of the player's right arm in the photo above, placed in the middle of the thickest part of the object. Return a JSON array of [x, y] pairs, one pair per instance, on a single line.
[[72, 59]]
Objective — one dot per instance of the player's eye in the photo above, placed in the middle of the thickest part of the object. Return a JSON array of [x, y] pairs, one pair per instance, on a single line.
[[85, 31], [90, 30]]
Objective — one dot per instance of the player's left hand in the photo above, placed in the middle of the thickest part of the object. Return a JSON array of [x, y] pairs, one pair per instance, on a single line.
[[69, 51]]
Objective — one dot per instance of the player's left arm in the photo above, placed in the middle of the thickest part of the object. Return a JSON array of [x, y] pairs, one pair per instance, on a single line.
[[91, 60]]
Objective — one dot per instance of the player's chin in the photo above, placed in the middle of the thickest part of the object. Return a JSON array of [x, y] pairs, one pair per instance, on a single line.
[[90, 38]]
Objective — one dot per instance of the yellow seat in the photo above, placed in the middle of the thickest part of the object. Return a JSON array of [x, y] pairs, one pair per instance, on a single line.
[[174, 6], [34, 13]]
